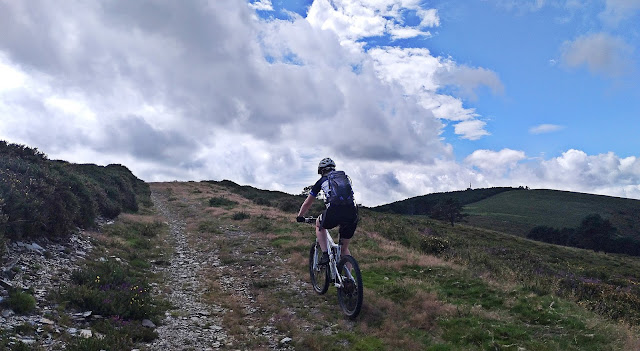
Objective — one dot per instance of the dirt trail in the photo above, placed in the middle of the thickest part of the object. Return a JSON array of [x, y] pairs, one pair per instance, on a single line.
[[194, 323], [230, 288]]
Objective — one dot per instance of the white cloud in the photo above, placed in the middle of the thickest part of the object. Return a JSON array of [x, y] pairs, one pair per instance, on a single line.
[[421, 74], [545, 128], [352, 20], [617, 11], [602, 53], [492, 161], [467, 79], [262, 5], [12, 78], [472, 129], [193, 91]]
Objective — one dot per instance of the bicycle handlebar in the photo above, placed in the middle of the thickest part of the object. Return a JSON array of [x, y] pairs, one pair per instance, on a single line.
[[309, 220]]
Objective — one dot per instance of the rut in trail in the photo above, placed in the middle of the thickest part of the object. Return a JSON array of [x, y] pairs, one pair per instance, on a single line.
[[192, 324]]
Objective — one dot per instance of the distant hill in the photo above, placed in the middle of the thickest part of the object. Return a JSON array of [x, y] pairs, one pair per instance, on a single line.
[[516, 212], [421, 205]]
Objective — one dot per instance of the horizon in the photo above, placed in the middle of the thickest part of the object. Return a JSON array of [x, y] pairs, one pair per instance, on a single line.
[[409, 98]]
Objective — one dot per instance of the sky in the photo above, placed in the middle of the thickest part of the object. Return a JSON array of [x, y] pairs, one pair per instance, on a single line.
[[409, 97]]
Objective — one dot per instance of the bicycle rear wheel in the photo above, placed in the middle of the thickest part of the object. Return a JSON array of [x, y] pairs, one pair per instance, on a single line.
[[319, 274], [350, 294]]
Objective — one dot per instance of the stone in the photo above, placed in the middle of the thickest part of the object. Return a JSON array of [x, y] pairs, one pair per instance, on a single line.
[[6, 284], [148, 324], [46, 321], [285, 340], [86, 333], [7, 313], [35, 247]]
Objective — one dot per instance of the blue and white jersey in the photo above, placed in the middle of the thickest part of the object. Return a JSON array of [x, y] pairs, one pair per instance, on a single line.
[[323, 185]]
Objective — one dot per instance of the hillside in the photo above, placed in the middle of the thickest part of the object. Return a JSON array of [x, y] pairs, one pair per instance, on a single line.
[[516, 212], [422, 205]]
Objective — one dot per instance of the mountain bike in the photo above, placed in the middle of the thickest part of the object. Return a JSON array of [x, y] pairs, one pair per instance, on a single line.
[[342, 271]]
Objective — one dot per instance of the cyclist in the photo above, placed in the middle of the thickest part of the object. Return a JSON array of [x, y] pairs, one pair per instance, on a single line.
[[341, 209]]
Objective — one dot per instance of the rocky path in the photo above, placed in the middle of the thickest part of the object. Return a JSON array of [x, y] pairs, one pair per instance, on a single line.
[[228, 289], [193, 324], [197, 277]]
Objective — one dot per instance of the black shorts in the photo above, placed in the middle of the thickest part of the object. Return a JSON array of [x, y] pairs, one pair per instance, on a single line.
[[344, 216]]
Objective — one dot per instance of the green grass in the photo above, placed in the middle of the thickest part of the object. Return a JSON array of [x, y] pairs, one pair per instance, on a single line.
[[517, 212], [437, 287], [222, 202]]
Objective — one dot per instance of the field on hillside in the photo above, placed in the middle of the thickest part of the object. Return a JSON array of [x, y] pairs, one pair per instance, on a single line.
[[516, 212], [428, 285]]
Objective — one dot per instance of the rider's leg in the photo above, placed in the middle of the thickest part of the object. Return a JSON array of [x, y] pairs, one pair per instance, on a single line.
[[345, 247], [321, 234], [345, 250]]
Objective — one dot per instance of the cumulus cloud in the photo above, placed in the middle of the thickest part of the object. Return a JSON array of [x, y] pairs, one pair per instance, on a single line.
[[472, 130], [496, 162], [352, 20], [208, 90], [262, 5], [165, 85], [545, 128], [602, 53], [422, 75], [617, 11], [467, 79]]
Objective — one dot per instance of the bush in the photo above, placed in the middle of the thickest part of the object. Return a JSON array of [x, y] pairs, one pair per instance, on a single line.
[[43, 198], [221, 202], [111, 290], [262, 224], [289, 205], [434, 245], [21, 302], [262, 201], [238, 216]]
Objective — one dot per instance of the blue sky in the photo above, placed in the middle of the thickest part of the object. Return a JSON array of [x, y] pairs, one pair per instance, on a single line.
[[409, 97], [523, 43]]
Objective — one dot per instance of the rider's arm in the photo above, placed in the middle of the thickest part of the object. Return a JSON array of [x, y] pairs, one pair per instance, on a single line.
[[306, 205]]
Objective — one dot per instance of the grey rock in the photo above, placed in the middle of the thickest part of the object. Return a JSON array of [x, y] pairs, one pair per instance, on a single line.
[[7, 313], [6, 284], [86, 333], [35, 247], [148, 324], [285, 340], [46, 321]]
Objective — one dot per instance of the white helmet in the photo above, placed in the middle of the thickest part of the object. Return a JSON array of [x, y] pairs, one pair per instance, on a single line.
[[326, 163]]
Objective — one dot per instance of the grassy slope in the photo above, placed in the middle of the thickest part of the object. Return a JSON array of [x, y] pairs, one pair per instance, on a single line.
[[487, 291], [516, 212]]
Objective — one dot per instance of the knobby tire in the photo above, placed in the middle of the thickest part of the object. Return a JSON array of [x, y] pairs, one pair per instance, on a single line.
[[320, 275], [350, 296]]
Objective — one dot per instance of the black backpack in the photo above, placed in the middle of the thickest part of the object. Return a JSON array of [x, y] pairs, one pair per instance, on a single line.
[[340, 191]]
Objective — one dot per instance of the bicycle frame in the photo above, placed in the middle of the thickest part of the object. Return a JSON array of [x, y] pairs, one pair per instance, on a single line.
[[335, 251]]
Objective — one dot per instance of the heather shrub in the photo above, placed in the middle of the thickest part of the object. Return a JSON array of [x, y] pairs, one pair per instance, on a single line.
[[21, 302], [113, 290], [43, 198], [434, 245]]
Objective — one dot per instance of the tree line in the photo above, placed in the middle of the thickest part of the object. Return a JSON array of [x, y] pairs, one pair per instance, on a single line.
[[594, 233]]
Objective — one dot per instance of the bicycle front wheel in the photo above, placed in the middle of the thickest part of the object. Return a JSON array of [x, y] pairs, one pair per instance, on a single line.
[[319, 273], [350, 294]]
